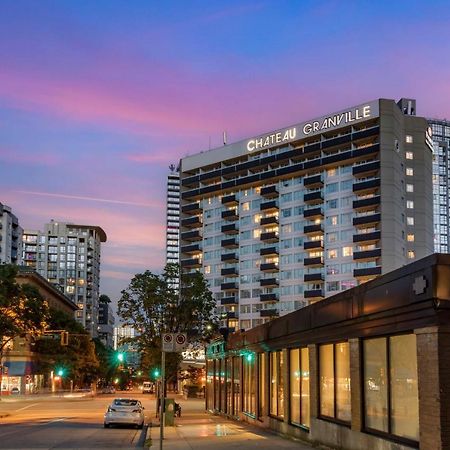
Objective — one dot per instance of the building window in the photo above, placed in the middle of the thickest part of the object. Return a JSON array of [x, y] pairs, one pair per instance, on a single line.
[[299, 386], [410, 220], [411, 254], [409, 155], [390, 386], [410, 204], [410, 171], [410, 238], [277, 384], [347, 251], [334, 376], [262, 384], [249, 384], [409, 139], [409, 187]]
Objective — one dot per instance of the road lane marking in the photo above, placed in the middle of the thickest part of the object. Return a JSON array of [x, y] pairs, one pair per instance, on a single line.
[[26, 407]]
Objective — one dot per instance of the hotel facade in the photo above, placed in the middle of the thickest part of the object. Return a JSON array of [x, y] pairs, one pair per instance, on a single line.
[[287, 218]]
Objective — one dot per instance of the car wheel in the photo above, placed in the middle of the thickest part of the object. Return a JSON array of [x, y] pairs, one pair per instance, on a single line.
[[106, 425]]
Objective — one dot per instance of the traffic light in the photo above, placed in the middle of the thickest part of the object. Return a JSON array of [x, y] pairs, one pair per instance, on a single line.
[[155, 374], [60, 372], [120, 357], [64, 338]]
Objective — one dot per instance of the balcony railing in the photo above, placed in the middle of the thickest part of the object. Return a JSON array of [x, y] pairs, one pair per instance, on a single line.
[[230, 200], [271, 297], [268, 221], [269, 191], [269, 267], [230, 229]]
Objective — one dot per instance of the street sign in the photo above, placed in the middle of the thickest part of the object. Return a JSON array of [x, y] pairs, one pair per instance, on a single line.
[[174, 342], [167, 342]]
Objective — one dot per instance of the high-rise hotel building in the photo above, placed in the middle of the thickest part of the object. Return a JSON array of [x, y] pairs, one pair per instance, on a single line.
[[292, 216], [441, 184], [173, 217], [68, 255]]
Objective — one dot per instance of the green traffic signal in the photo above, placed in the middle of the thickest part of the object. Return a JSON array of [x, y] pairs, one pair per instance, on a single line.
[[156, 373], [60, 372], [120, 357]]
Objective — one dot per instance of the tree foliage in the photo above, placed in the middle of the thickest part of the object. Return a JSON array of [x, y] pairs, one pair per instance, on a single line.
[[23, 310], [104, 299], [154, 304]]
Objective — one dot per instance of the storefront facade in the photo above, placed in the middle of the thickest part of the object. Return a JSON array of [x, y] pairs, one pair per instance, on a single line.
[[366, 368]]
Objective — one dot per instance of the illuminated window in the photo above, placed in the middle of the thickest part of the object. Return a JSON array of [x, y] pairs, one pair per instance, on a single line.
[[299, 386], [332, 254], [207, 269], [347, 251], [410, 204], [409, 188], [411, 254], [410, 220], [246, 206], [409, 139], [256, 233], [409, 155], [331, 172], [409, 171], [410, 238]]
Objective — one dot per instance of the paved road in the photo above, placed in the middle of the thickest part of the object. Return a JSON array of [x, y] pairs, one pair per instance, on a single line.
[[67, 424]]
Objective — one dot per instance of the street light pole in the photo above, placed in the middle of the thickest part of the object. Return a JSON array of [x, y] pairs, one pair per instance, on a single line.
[[162, 399]]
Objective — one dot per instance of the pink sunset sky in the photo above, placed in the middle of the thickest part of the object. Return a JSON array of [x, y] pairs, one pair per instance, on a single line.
[[98, 98]]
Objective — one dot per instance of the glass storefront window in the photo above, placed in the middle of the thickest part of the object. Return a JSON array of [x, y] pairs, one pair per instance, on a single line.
[[334, 373], [236, 385], [390, 386], [299, 386], [262, 384], [249, 386], [277, 384]]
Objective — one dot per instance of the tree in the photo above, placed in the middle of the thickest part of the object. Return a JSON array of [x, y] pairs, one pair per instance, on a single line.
[[153, 304], [104, 299], [23, 310]]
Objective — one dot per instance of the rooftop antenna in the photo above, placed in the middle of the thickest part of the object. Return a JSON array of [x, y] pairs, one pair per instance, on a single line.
[[209, 142], [224, 138], [172, 168]]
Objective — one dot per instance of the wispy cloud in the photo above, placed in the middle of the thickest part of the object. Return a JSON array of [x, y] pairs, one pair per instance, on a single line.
[[92, 199]]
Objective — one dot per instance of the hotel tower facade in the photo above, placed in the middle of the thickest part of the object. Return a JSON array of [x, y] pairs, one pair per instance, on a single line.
[[287, 218]]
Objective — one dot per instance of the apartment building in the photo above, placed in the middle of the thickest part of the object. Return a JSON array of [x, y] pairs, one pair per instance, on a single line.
[[106, 321], [68, 255], [289, 217], [10, 237], [441, 183], [173, 216]]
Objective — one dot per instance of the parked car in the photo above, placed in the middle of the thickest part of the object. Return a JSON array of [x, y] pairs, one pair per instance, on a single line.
[[148, 387], [108, 390], [125, 411], [15, 390]]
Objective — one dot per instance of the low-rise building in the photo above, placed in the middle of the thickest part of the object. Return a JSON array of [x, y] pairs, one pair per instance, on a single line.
[[106, 321]]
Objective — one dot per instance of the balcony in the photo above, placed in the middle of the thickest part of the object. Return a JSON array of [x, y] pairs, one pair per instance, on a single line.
[[367, 238], [272, 297], [314, 294], [191, 263], [231, 214], [268, 221], [269, 267], [268, 251], [232, 300], [229, 243], [230, 200], [313, 213], [191, 208], [232, 286], [313, 230], [271, 206], [230, 229], [269, 313], [312, 245], [229, 257], [313, 182], [191, 222], [268, 282], [269, 191], [313, 262], [367, 221], [231, 315], [191, 249], [313, 198], [366, 204], [365, 187], [191, 236], [366, 169], [368, 272], [367, 255], [271, 236], [229, 272], [313, 277]]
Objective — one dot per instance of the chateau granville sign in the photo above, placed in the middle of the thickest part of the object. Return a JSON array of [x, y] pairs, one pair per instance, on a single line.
[[337, 120]]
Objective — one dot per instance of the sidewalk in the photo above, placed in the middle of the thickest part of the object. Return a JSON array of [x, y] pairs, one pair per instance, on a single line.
[[197, 430]]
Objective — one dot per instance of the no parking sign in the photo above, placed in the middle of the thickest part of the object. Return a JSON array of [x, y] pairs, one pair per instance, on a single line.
[[174, 342]]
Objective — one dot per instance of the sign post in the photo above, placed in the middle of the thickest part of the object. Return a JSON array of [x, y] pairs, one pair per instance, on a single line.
[[170, 342]]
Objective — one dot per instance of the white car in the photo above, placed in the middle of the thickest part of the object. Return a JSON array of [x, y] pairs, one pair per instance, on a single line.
[[125, 411]]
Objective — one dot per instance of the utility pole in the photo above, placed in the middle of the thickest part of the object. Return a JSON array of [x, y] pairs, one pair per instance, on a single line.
[[162, 399]]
